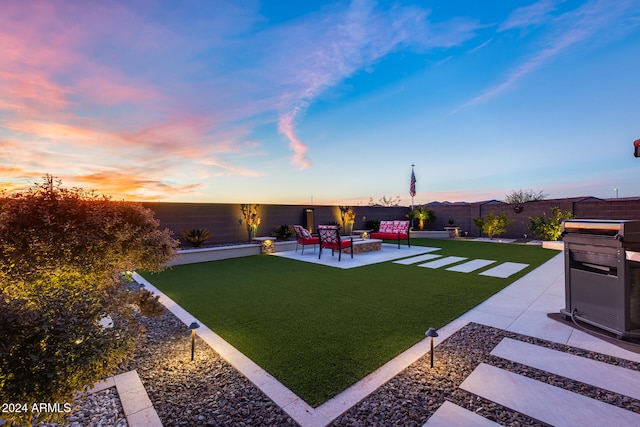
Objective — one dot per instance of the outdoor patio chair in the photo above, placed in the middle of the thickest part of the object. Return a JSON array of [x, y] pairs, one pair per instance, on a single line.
[[305, 238], [330, 239]]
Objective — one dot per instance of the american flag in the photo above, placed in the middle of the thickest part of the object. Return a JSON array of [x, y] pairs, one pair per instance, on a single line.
[[412, 186]]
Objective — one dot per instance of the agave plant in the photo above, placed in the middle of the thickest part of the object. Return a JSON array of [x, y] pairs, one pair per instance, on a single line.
[[196, 236]]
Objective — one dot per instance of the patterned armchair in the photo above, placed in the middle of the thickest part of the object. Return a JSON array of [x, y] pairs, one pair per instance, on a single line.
[[330, 239], [305, 238]]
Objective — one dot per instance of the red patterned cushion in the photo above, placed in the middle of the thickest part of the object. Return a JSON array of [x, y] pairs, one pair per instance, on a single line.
[[400, 226], [328, 233], [302, 232], [386, 227]]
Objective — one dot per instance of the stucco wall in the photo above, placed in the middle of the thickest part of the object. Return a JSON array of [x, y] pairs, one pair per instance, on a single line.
[[222, 219]]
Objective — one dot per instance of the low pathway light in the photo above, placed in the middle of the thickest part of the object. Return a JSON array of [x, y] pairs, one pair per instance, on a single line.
[[431, 333], [192, 327]]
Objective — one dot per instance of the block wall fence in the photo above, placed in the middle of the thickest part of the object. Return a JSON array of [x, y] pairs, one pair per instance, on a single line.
[[223, 219]]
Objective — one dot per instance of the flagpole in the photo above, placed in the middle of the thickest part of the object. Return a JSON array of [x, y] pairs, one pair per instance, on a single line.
[[412, 191]]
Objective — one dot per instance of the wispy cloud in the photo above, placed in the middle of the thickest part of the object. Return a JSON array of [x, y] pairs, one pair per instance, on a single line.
[[319, 52], [133, 185], [565, 31], [480, 46], [534, 14]]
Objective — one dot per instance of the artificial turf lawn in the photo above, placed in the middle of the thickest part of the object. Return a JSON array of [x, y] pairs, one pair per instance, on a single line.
[[319, 329]]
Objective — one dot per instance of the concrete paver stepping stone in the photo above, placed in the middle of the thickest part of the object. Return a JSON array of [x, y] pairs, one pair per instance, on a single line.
[[443, 261], [588, 371], [452, 415], [505, 269], [544, 402], [417, 259], [470, 266]]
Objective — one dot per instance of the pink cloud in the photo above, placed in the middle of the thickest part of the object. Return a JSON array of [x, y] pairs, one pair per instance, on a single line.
[[286, 127]]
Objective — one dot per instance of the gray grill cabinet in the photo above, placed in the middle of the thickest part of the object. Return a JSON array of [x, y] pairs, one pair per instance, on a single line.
[[602, 274]]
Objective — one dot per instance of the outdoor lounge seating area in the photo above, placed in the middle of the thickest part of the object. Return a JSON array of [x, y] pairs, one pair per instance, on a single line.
[[393, 230]]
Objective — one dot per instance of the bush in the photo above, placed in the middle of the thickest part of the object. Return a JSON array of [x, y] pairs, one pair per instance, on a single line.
[[549, 228], [493, 225], [196, 236], [62, 254], [283, 232], [149, 303]]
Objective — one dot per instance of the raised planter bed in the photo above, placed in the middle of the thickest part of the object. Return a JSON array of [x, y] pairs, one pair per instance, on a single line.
[[430, 234], [191, 256]]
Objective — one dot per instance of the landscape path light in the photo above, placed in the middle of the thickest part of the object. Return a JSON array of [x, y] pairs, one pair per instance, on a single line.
[[431, 333], [192, 327]]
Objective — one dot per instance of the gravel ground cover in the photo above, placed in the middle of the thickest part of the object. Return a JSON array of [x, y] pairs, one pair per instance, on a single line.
[[209, 392], [205, 392]]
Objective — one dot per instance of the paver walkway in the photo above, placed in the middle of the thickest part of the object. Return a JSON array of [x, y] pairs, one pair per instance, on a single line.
[[522, 308]]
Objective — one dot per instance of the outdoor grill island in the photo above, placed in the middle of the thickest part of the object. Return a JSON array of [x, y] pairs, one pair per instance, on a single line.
[[602, 274]]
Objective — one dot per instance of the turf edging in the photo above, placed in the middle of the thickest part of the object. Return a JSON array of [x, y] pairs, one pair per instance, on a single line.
[[318, 329]]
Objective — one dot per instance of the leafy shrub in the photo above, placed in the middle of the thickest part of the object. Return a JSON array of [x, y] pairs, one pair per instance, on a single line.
[[283, 232], [149, 303], [549, 228], [493, 225], [196, 236], [62, 252]]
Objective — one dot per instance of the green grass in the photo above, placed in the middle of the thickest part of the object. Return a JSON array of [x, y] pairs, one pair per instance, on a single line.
[[319, 329]]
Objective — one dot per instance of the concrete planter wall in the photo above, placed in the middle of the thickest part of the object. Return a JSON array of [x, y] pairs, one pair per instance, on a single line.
[[430, 235], [192, 256]]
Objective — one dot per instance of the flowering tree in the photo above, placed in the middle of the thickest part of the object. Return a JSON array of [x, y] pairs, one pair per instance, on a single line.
[[251, 218], [347, 217], [62, 257]]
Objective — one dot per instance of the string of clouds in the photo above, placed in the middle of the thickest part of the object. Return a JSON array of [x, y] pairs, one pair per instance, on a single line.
[[224, 101]]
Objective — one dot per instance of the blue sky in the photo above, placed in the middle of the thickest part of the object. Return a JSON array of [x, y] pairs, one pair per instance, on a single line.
[[330, 102]]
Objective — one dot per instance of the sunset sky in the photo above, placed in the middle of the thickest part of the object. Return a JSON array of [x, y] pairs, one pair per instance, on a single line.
[[325, 101]]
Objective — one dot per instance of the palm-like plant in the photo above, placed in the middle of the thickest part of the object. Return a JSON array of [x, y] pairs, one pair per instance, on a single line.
[[196, 236], [423, 215]]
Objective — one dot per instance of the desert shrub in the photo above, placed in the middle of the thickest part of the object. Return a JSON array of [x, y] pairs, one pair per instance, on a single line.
[[492, 225], [283, 232], [149, 303], [549, 228]]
